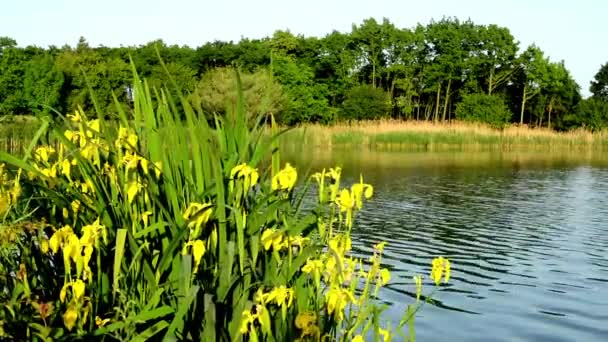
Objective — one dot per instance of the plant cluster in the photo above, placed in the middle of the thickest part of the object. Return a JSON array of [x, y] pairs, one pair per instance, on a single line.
[[149, 228]]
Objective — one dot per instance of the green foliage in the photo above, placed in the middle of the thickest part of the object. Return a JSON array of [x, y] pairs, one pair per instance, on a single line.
[[424, 70], [365, 102], [599, 86], [489, 109], [306, 100], [43, 83], [155, 228], [216, 93], [591, 113]]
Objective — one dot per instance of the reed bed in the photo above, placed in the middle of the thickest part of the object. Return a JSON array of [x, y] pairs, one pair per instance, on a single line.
[[432, 136]]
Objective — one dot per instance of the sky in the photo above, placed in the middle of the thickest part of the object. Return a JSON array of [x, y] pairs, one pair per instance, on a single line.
[[575, 31]]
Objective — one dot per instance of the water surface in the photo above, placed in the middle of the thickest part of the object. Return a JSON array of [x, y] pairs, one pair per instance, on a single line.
[[527, 235]]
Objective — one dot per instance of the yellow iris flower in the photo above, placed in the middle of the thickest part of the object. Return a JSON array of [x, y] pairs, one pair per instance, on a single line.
[[285, 179]]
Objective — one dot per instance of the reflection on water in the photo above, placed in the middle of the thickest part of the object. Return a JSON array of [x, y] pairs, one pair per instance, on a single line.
[[526, 233]]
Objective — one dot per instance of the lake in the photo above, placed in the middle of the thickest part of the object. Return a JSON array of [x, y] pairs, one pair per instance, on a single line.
[[527, 234]]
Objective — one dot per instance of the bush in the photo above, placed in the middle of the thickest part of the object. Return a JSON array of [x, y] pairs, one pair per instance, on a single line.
[[484, 108], [365, 102], [216, 92], [591, 113]]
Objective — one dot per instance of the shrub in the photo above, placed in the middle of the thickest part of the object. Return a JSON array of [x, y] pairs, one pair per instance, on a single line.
[[216, 92], [484, 108], [365, 102]]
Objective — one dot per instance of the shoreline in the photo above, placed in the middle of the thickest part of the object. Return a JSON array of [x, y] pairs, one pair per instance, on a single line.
[[416, 135]]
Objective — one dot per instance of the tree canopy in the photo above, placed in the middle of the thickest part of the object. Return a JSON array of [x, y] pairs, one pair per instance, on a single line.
[[422, 73]]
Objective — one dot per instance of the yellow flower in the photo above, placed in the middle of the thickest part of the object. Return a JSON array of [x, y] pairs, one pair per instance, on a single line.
[[65, 168], [60, 237], [78, 288], [101, 322], [418, 280], [380, 246], [76, 117], [306, 321], [249, 175], [75, 205], [197, 215], [145, 217], [44, 152], [386, 336], [440, 267], [298, 240], [132, 190], [285, 179], [358, 338], [70, 317], [313, 265], [345, 201], [281, 295], [271, 237], [360, 190], [92, 232], [198, 250], [126, 138], [385, 276], [337, 298], [158, 168], [247, 321], [44, 246], [93, 127]]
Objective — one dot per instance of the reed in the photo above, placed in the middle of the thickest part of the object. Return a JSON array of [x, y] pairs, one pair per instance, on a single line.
[[431, 136]]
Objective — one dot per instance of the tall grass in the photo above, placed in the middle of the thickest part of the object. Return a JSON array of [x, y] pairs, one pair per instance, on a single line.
[[431, 136], [17, 132], [163, 226]]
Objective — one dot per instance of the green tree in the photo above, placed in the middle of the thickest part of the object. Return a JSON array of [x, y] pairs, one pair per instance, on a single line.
[[12, 71], [43, 83], [216, 92], [599, 86], [534, 73], [489, 109], [364, 102], [83, 67], [306, 99]]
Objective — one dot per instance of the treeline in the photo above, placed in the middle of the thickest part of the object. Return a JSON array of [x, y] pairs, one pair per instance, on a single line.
[[445, 70]]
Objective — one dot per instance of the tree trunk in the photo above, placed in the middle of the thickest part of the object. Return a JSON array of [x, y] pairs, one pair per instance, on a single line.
[[523, 106], [490, 81], [549, 112], [447, 97], [418, 110], [374, 75], [437, 103]]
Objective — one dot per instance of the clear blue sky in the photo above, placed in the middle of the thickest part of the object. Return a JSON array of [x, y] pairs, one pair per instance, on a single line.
[[575, 31]]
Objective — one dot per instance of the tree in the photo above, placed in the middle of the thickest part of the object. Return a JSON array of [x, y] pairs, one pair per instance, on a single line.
[[599, 86], [306, 99], [217, 91], [85, 67], [364, 102], [43, 83], [12, 71], [489, 109], [534, 72]]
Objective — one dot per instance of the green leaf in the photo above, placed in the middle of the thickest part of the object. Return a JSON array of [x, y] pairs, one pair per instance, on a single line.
[[151, 331], [121, 235]]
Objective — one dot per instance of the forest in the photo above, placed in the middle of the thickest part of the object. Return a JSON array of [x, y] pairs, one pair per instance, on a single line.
[[445, 70]]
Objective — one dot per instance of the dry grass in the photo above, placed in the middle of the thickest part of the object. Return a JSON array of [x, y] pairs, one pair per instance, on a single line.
[[432, 136]]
